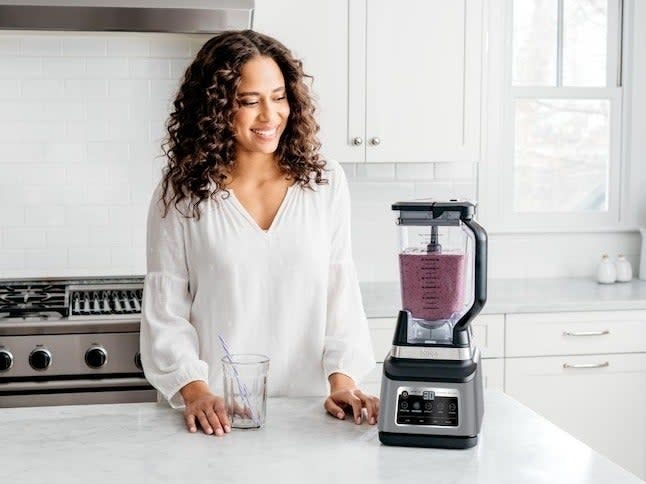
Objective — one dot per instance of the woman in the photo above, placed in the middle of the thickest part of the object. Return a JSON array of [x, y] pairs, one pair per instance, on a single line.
[[249, 238]]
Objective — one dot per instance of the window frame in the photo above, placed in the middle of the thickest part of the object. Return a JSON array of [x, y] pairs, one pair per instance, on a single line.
[[496, 173]]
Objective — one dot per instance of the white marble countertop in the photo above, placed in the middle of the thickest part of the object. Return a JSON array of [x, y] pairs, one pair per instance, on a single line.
[[148, 442], [383, 300]]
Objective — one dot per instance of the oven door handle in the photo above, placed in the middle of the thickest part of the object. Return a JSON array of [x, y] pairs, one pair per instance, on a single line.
[[76, 384]]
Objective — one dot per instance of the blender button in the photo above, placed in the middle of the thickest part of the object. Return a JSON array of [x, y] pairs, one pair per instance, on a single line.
[[452, 407], [404, 405], [428, 406], [416, 405], [404, 394]]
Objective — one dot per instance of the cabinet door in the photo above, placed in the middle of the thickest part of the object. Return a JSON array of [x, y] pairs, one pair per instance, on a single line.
[[423, 80], [329, 38], [603, 406]]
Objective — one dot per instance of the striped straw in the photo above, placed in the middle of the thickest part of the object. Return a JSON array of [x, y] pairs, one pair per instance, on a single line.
[[242, 388]]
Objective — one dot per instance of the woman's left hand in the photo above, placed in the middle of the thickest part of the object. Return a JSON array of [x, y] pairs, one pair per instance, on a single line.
[[352, 398]]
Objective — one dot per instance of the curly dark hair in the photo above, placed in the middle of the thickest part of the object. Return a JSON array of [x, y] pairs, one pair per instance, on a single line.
[[200, 145]]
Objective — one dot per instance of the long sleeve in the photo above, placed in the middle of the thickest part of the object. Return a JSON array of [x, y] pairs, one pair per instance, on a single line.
[[347, 347], [168, 341]]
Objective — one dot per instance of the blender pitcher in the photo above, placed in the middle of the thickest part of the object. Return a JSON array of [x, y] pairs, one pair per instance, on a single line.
[[437, 268]]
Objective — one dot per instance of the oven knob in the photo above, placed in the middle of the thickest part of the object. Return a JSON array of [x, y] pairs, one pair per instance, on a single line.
[[96, 357], [40, 359], [6, 360], [138, 361]]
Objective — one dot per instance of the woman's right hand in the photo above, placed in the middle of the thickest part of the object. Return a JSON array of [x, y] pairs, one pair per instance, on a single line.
[[206, 408]]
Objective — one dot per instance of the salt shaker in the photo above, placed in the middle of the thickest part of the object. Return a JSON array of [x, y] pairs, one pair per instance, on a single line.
[[623, 269], [606, 272]]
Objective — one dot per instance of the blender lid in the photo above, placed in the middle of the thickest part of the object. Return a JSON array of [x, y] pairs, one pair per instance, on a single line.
[[466, 210]]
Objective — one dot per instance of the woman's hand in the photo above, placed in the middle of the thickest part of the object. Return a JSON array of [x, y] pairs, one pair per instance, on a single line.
[[205, 407], [344, 395]]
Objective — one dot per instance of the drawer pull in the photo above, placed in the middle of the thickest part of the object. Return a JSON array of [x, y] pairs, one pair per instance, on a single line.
[[587, 365], [586, 333]]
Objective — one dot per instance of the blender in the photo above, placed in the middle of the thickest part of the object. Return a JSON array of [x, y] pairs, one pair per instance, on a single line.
[[431, 389]]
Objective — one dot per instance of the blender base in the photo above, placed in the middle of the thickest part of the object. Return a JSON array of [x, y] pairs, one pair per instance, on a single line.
[[435, 441]]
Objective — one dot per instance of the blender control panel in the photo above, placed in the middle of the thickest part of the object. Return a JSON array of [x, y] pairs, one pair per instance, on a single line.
[[438, 407]]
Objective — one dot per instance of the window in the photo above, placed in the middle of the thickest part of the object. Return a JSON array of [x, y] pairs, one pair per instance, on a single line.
[[561, 128]]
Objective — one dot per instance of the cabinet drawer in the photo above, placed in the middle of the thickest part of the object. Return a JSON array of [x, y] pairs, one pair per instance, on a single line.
[[488, 333], [575, 333]]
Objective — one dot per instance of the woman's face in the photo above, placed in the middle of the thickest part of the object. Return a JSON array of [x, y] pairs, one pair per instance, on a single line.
[[264, 110]]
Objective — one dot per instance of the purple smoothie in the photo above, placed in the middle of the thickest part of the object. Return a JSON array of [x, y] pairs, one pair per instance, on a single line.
[[432, 284]]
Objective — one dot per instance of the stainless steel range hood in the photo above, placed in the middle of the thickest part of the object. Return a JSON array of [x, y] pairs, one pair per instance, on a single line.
[[144, 16]]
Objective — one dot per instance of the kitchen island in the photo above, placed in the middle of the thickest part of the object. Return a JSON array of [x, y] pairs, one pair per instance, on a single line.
[[148, 443]]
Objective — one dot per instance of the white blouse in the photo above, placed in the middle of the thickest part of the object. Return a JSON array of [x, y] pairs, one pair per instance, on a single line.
[[290, 292]]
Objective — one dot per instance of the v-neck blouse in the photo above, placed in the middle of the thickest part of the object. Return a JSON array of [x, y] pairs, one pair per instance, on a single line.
[[290, 292], [245, 213]]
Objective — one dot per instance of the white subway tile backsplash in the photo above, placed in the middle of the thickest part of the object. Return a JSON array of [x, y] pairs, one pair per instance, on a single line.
[[383, 193], [150, 68], [83, 216], [170, 46], [88, 130], [465, 191], [90, 259], [9, 88], [11, 215], [67, 236], [50, 215], [21, 110], [9, 46], [110, 237], [130, 88], [83, 46], [149, 109], [21, 153], [107, 109], [65, 109], [40, 45], [375, 171], [178, 67], [11, 261], [31, 131], [23, 238], [128, 130], [21, 67], [455, 170], [105, 194], [415, 171], [164, 90], [86, 88], [43, 260], [63, 67], [435, 190], [53, 193], [65, 153], [79, 173], [42, 88], [111, 152], [107, 68], [130, 46], [131, 260]]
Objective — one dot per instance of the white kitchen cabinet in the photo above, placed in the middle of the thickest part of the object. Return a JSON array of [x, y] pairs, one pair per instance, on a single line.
[[396, 81], [601, 402], [585, 372]]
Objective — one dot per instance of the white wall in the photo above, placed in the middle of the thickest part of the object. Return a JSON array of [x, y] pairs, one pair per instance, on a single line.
[[81, 116]]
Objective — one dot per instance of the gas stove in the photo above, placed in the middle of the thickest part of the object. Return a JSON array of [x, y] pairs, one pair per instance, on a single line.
[[71, 340]]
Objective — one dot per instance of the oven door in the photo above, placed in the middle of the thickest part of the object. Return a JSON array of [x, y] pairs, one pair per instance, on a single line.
[[76, 392]]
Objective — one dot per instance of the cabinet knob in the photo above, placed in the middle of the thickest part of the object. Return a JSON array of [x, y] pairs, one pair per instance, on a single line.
[[357, 140], [375, 141]]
